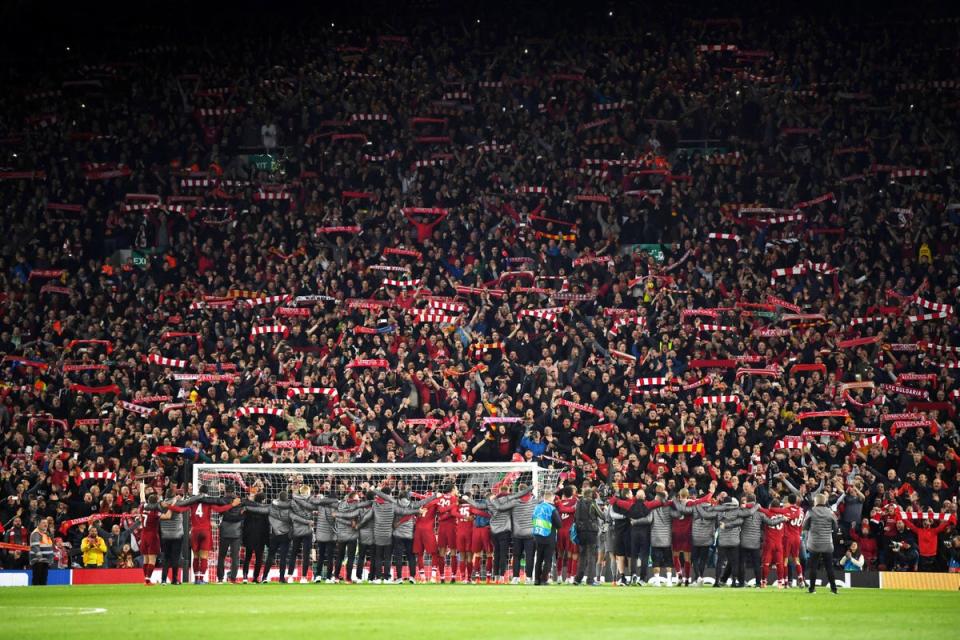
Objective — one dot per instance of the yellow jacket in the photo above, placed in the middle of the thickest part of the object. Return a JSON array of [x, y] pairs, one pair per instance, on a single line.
[[93, 551]]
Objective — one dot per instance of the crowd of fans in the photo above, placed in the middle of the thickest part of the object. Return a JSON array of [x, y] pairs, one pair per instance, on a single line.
[[631, 230]]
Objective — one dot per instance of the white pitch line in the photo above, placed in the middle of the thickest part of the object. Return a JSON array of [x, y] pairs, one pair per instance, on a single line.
[[80, 611]]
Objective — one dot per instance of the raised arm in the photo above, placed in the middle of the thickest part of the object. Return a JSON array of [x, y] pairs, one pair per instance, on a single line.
[[792, 489]]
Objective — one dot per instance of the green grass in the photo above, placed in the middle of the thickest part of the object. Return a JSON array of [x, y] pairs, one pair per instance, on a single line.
[[438, 612]]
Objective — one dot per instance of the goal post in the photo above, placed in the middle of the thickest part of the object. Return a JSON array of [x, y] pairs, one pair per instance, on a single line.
[[420, 476], [339, 480]]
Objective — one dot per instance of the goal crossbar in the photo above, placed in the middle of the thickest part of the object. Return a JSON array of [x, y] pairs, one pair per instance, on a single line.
[[376, 470]]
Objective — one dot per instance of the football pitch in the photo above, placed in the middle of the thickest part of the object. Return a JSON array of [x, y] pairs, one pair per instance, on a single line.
[[436, 612]]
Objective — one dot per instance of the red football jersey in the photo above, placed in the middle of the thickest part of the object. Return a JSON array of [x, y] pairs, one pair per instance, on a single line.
[[566, 507], [150, 520], [794, 523], [200, 514], [773, 535], [428, 519], [464, 517], [447, 505]]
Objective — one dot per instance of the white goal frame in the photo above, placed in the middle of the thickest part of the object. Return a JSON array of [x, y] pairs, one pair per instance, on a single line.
[[396, 469]]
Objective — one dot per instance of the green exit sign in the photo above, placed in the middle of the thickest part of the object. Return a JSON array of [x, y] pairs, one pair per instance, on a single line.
[[264, 162]]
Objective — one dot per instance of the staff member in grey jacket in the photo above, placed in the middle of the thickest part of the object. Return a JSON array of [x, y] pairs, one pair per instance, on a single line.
[[345, 530], [751, 539], [586, 519], [279, 514], [730, 518], [661, 540], [171, 543], [365, 537], [41, 553], [821, 525], [703, 532], [403, 535], [385, 511], [301, 534], [231, 530], [500, 506], [256, 533], [321, 506], [521, 514]]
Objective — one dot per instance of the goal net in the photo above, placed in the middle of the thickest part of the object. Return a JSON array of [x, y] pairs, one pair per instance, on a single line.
[[417, 480]]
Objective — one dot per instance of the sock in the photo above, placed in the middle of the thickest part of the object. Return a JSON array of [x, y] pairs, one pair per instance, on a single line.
[[686, 569], [196, 568], [489, 565], [799, 571], [765, 571], [669, 575], [791, 570], [440, 566], [147, 571], [676, 564], [571, 567], [420, 566], [454, 565]]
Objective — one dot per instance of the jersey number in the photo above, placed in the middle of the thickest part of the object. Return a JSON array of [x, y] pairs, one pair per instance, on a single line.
[[199, 511]]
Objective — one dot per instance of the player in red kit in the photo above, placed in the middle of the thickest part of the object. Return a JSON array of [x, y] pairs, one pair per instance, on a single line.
[[464, 537], [481, 542], [791, 537], [151, 513], [567, 551], [424, 537], [201, 507], [447, 506], [773, 549]]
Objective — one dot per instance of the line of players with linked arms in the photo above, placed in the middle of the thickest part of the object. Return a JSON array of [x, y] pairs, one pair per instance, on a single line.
[[393, 531]]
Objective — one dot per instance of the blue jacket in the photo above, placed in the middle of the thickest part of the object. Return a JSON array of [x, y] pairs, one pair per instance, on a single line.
[[546, 521], [538, 449]]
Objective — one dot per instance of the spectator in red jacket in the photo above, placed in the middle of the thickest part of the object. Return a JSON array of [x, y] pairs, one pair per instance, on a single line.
[[928, 540], [865, 536]]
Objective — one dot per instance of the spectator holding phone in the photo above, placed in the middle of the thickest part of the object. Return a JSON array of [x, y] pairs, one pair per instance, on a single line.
[[903, 548]]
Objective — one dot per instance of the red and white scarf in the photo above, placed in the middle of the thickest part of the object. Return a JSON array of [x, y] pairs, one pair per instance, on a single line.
[[576, 406], [652, 382], [550, 314], [252, 411], [791, 442], [377, 363], [330, 392], [165, 362], [135, 408], [869, 441], [96, 475], [722, 399], [403, 284], [906, 391], [723, 236], [941, 315], [278, 299], [272, 328]]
